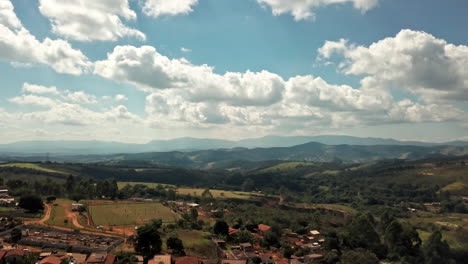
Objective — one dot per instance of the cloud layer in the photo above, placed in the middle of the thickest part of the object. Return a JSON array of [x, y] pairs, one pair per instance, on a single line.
[[90, 20], [17, 44], [304, 9]]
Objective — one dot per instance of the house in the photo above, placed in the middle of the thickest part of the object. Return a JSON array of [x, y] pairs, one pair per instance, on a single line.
[[315, 233], [4, 193], [313, 258], [75, 258], [187, 260], [51, 260], [219, 242], [100, 258], [76, 206], [161, 259], [15, 256], [263, 228], [233, 261], [247, 247]]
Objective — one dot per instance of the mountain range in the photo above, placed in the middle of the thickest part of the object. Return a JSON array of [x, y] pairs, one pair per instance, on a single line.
[[193, 144]]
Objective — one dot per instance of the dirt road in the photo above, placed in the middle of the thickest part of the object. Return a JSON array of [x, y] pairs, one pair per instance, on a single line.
[[45, 218]]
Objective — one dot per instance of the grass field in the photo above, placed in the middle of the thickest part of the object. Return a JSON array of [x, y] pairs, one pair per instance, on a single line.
[[126, 214], [288, 165], [218, 193], [336, 207], [148, 184], [197, 243], [30, 166], [197, 191], [57, 215], [458, 188], [425, 222]]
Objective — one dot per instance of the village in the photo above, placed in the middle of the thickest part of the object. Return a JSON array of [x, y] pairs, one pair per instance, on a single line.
[[47, 244]]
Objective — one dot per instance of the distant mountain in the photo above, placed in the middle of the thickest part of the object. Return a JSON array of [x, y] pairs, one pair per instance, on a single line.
[[192, 144], [236, 157]]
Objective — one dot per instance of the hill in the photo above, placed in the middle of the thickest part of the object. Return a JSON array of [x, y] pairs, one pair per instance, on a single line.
[[244, 158], [41, 148]]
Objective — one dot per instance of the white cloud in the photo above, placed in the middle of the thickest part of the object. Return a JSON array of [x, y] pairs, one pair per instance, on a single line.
[[147, 69], [413, 61], [120, 98], [19, 46], [157, 8], [304, 9], [89, 20], [81, 97], [183, 94], [185, 50], [66, 108], [39, 89]]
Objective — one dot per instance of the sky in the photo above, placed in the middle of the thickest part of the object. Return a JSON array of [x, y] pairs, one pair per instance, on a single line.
[[141, 70]]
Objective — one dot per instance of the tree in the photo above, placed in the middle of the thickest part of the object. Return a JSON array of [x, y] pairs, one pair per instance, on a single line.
[[15, 235], [402, 242], [248, 185], [221, 228], [362, 234], [437, 251], [175, 244], [243, 236], [31, 203], [148, 240], [194, 213], [359, 256]]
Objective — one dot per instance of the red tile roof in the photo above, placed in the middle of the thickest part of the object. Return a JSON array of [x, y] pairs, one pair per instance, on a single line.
[[232, 231], [15, 252], [110, 259], [187, 260], [263, 228], [51, 260]]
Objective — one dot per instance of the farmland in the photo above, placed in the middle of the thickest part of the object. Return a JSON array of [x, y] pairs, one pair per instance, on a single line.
[[217, 193], [30, 166], [126, 214], [147, 184], [220, 194], [58, 215]]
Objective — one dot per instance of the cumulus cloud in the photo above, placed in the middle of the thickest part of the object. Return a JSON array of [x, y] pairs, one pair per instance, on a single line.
[[157, 8], [17, 44], [90, 20], [120, 98], [39, 89], [67, 108], [412, 60], [181, 93], [304, 9], [147, 69]]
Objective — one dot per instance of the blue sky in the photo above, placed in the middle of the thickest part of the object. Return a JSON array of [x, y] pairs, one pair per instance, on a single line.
[[250, 68]]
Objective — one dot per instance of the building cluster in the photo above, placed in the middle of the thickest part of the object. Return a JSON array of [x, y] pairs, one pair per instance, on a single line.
[[20, 256], [244, 253], [59, 239], [6, 199]]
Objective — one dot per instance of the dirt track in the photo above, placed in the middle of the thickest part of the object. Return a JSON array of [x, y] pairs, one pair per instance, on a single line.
[[44, 219]]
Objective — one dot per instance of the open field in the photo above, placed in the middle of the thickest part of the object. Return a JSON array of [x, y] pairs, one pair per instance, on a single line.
[[30, 166], [148, 184], [288, 165], [58, 216], [454, 227], [197, 243], [218, 193], [334, 207], [198, 191], [125, 214]]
